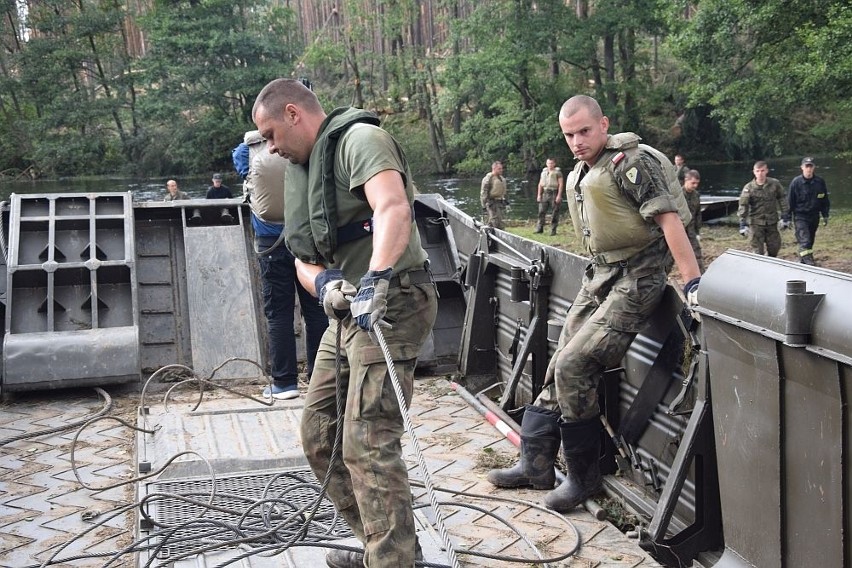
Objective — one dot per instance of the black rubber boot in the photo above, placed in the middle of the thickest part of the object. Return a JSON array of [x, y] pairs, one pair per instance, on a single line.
[[350, 559], [539, 446], [581, 442]]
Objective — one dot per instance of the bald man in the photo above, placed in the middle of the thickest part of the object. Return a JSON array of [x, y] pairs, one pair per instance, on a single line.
[[629, 212]]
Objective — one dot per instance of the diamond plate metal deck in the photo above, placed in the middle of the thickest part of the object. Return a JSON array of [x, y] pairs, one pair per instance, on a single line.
[[42, 506]]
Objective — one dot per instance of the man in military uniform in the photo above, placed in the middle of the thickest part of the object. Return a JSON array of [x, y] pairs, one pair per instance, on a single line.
[[549, 196], [682, 168], [629, 212], [760, 201], [492, 195], [693, 200], [173, 193], [349, 218], [808, 199]]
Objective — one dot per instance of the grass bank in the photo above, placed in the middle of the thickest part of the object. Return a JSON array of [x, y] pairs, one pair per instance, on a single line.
[[832, 248]]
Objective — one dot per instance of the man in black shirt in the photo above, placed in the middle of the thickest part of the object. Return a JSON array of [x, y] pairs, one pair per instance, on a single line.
[[217, 190], [808, 198]]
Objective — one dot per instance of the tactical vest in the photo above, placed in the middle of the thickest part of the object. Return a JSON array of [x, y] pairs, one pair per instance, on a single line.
[[610, 227], [550, 181], [313, 202], [496, 186]]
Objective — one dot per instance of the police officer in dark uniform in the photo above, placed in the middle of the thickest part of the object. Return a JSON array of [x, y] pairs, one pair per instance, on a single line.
[[808, 198]]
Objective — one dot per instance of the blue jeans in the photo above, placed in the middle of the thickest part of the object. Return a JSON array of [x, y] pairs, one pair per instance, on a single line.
[[280, 285]]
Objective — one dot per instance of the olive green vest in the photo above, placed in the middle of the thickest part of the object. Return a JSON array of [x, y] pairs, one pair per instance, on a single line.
[[610, 228], [313, 202]]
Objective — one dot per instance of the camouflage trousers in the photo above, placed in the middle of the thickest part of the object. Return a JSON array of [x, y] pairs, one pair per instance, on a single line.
[[696, 247], [548, 203], [369, 485], [494, 210], [765, 239], [610, 309]]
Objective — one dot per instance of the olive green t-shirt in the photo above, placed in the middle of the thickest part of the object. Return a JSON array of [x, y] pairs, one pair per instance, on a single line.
[[363, 151]]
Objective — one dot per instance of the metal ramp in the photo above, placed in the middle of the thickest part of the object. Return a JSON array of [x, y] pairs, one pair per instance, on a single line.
[[222, 313], [71, 292]]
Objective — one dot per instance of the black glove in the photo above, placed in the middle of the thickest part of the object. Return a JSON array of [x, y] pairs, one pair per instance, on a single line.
[[371, 301], [334, 293]]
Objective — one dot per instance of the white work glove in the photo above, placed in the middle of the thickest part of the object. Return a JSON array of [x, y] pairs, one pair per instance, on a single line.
[[690, 292], [744, 230], [371, 301], [783, 225]]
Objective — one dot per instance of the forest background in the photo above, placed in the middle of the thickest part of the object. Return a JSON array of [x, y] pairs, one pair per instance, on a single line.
[[166, 87]]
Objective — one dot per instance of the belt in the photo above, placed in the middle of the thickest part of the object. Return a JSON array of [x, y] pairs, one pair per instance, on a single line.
[[419, 276]]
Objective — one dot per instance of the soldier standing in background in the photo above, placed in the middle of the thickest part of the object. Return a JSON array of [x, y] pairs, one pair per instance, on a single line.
[[693, 200], [550, 185], [682, 168], [492, 195], [760, 201]]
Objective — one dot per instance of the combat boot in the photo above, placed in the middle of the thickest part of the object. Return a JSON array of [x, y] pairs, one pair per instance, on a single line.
[[581, 443], [539, 445], [351, 559], [539, 229], [553, 230], [808, 259]]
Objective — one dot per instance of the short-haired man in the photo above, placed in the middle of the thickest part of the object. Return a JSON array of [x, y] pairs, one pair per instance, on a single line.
[[217, 190], [760, 202], [808, 199], [691, 181], [369, 236], [682, 168], [174, 193], [629, 213], [492, 195], [549, 197]]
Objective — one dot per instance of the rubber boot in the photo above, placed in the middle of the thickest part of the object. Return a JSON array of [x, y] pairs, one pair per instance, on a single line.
[[581, 442], [539, 445], [350, 559]]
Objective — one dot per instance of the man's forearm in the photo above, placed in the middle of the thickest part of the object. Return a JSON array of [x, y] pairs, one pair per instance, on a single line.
[[679, 245]]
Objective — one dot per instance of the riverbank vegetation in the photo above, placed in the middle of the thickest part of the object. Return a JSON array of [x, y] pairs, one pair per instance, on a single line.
[[156, 87], [832, 248]]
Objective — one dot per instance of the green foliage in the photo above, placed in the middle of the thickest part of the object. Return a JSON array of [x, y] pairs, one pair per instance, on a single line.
[[757, 63], [207, 63], [718, 78]]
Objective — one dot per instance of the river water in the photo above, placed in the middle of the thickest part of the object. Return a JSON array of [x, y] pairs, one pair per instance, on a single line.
[[716, 179]]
